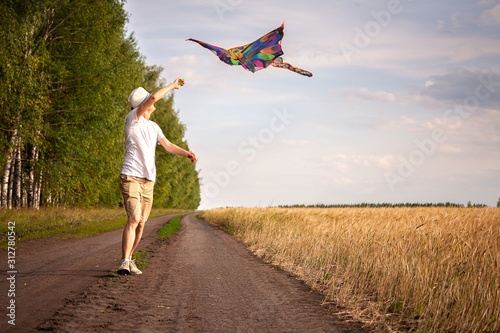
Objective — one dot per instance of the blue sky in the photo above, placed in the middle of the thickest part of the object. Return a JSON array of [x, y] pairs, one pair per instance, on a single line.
[[404, 104]]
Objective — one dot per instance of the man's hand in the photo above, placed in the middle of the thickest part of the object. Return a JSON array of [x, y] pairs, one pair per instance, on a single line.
[[191, 156], [178, 83]]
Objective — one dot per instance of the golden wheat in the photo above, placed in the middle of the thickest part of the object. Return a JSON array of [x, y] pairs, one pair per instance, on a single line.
[[436, 269]]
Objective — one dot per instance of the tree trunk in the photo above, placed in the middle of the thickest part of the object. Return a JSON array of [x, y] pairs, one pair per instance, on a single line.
[[25, 181], [6, 172], [18, 174], [38, 185], [5, 179], [32, 181], [11, 186]]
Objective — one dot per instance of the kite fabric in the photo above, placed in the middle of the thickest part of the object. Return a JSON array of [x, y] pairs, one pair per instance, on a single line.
[[258, 55]]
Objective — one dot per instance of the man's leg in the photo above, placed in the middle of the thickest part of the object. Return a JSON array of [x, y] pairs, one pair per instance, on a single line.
[[132, 233], [138, 235], [146, 204], [130, 188]]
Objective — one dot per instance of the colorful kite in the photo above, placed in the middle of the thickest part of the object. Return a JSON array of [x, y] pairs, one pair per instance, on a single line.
[[257, 55]]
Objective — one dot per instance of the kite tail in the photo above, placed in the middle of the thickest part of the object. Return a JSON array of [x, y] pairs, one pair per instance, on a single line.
[[278, 63]]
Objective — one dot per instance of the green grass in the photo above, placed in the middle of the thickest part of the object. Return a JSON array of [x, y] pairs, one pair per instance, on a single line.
[[141, 258], [170, 228], [64, 222]]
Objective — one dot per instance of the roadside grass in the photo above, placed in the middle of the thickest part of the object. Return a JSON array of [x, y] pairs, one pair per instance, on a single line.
[[64, 222], [406, 269], [168, 230], [141, 258]]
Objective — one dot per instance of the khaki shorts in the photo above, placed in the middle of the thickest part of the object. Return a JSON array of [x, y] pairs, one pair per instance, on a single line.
[[137, 196]]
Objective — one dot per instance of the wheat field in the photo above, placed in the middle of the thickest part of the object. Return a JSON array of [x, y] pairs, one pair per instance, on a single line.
[[424, 269]]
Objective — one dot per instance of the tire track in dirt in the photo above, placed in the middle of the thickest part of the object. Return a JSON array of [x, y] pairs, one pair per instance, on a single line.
[[51, 271], [200, 280]]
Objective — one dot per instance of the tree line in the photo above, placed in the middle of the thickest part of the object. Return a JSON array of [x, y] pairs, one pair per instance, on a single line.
[[66, 70], [384, 205]]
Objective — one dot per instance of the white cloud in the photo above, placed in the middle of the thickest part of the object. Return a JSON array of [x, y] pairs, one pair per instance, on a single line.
[[366, 94], [381, 96], [491, 16], [449, 149], [485, 2], [296, 143], [344, 163], [408, 120], [429, 83], [344, 181]]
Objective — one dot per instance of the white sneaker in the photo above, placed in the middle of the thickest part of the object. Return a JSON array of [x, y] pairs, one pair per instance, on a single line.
[[133, 268], [124, 267]]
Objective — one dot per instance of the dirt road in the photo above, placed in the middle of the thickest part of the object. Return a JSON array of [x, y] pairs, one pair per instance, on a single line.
[[200, 280]]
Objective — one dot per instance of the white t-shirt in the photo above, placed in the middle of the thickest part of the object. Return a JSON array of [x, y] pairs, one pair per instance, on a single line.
[[141, 137]]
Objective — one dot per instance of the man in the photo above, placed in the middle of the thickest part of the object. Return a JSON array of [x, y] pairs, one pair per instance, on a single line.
[[139, 171]]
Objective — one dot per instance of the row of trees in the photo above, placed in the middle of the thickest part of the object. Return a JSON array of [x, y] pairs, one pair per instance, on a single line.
[[66, 69]]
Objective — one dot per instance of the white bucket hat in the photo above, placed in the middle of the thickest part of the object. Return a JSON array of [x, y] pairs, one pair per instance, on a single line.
[[138, 96]]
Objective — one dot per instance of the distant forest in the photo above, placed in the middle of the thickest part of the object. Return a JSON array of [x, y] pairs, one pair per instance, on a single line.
[[66, 70], [382, 205]]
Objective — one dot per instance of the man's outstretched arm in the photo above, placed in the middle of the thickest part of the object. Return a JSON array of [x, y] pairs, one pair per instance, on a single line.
[[156, 96], [174, 149]]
